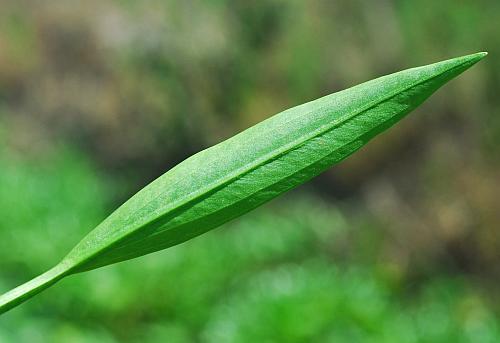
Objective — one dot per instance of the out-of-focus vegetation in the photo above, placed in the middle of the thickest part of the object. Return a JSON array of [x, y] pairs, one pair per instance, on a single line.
[[399, 243], [279, 274]]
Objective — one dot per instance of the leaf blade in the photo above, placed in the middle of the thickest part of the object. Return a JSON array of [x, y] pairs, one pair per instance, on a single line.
[[169, 224]]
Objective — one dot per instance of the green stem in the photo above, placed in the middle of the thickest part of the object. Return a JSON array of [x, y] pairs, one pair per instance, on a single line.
[[25, 291]]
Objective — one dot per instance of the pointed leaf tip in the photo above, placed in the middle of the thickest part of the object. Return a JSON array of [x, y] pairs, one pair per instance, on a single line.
[[474, 58], [479, 55]]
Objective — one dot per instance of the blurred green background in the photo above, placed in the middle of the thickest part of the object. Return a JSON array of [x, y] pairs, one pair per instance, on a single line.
[[400, 243]]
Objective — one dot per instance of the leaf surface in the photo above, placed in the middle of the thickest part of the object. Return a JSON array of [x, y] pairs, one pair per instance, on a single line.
[[249, 169]]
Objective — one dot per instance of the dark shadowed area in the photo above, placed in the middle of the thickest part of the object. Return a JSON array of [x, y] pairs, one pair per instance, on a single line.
[[399, 243]]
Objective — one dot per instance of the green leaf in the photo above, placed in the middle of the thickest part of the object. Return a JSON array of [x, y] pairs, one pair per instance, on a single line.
[[243, 172]]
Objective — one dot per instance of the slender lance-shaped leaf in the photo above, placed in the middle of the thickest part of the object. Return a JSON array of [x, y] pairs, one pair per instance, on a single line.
[[241, 173]]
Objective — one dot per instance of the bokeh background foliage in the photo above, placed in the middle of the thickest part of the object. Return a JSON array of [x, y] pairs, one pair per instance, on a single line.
[[400, 243]]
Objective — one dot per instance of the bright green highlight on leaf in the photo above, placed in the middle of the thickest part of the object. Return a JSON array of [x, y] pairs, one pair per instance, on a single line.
[[247, 170]]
